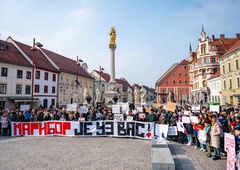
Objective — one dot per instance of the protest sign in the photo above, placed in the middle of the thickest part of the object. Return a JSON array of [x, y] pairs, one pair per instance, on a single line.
[[118, 117], [202, 135], [180, 127], [115, 108], [134, 112], [214, 108], [148, 110], [171, 106], [139, 109], [186, 112], [186, 119], [120, 103], [125, 107], [172, 131], [129, 118], [83, 109], [24, 107], [194, 119], [82, 119], [156, 105], [142, 115], [161, 130], [72, 107], [229, 146]]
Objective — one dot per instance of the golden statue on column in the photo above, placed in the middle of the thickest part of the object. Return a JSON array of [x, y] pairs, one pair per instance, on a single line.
[[113, 36]]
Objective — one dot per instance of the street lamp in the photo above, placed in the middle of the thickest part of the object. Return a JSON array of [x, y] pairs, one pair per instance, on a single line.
[[100, 84], [78, 63], [34, 48]]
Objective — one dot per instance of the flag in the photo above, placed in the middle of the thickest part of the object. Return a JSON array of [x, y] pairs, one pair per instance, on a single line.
[[77, 81]]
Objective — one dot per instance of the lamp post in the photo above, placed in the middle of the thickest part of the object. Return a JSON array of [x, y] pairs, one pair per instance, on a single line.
[[34, 48], [100, 84], [78, 63]]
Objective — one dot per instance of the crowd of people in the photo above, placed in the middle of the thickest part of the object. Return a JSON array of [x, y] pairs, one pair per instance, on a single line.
[[227, 120]]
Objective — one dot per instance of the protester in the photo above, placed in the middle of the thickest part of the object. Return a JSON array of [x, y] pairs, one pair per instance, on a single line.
[[4, 122], [215, 138]]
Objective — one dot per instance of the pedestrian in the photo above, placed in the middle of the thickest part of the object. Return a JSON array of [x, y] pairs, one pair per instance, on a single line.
[[208, 137], [215, 138], [4, 122]]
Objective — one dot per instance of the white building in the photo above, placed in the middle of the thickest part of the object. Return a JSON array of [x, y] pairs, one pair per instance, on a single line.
[[214, 83]]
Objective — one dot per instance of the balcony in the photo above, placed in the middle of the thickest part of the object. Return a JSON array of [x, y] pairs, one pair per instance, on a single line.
[[204, 89], [206, 65]]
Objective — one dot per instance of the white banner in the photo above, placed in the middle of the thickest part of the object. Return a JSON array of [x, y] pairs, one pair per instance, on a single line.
[[161, 130]]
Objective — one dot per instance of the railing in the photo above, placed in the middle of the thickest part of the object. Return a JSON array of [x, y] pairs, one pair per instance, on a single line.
[[206, 65]]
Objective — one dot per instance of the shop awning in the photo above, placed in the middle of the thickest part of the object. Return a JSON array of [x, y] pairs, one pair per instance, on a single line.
[[23, 99]]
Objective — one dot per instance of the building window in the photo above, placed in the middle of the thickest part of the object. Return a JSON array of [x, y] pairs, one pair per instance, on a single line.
[[229, 67], [223, 69], [46, 76], [18, 89], [173, 74], [186, 81], [180, 90], [27, 89], [236, 63], [28, 75], [203, 72], [166, 81], [45, 89], [218, 98], [213, 60], [163, 91], [37, 74], [185, 74], [212, 98], [214, 70], [54, 78], [230, 83], [36, 88], [203, 48], [206, 60], [185, 67], [3, 88], [174, 82], [224, 84], [102, 85], [4, 72], [53, 89], [53, 102], [180, 81], [67, 79], [238, 83], [61, 77], [179, 74], [61, 89], [19, 73]]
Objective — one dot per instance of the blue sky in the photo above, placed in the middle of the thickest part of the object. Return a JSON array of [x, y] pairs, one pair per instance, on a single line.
[[151, 35]]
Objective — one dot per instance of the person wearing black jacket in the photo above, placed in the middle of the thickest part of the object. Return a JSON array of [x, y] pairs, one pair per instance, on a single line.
[[189, 131], [224, 123], [20, 117]]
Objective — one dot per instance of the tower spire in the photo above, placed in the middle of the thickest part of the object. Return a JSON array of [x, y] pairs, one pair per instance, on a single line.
[[190, 47], [202, 28]]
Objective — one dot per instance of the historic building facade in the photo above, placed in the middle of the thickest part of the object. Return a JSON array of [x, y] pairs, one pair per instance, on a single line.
[[214, 84], [174, 84], [230, 75], [204, 63]]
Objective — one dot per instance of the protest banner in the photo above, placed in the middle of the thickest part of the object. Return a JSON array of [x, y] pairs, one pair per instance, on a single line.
[[171, 106], [202, 135], [118, 117], [229, 146], [172, 131], [71, 107], [161, 130], [125, 107], [143, 130], [194, 119], [115, 108], [83, 109], [24, 107], [214, 108], [180, 127], [186, 119]]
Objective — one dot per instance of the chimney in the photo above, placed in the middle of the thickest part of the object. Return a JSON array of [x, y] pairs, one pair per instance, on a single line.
[[222, 36], [238, 36], [213, 37]]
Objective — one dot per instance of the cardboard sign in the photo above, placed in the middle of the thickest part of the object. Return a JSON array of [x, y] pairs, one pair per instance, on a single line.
[[116, 108], [186, 119], [156, 105], [172, 131], [148, 110], [171, 106], [180, 127], [24, 107], [194, 119], [202, 135], [72, 107], [214, 108]]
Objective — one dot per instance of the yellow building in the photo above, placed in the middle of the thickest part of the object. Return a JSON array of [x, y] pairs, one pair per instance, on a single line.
[[230, 75]]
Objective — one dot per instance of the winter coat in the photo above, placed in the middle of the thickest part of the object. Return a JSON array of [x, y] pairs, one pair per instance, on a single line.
[[215, 135], [189, 128], [4, 121], [173, 121]]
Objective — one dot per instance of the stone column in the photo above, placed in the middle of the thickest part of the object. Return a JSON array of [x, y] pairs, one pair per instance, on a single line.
[[112, 49]]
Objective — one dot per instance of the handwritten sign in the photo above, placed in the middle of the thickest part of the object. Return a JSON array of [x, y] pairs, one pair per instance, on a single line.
[[202, 135], [129, 118], [214, 108], [72, 107], [230, 149], [116, 108], [186, 119], [148, 110], [83, 109], [142, 116], [194, 119], [171, 106], [172, 131], [118, 117], [180, 127], [139, 109], [125, 107], [24, 107], [156, 105]]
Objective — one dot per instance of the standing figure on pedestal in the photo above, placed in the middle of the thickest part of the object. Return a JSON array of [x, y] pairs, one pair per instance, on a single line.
[[85, 95], [75, 100], [98, 95], [129, 92], [113, 36], [137, 95], [143, 92]]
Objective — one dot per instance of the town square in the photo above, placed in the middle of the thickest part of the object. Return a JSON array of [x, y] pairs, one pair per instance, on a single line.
[[119, 85]]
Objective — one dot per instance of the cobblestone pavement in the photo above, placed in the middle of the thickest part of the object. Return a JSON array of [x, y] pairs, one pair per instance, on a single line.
[[94, 153]]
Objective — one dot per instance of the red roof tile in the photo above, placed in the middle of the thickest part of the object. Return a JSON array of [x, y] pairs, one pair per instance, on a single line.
[[235, 46], [9, 54], [39, 59], [184, 62], [217, 74], [225, 44], [65, 64]]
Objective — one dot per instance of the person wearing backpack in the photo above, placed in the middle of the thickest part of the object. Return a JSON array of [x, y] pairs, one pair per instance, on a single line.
[[215, 133]]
